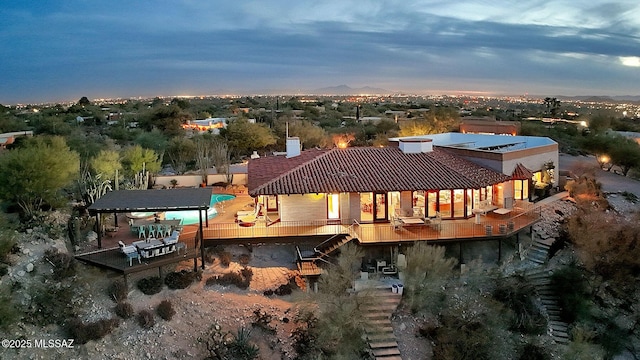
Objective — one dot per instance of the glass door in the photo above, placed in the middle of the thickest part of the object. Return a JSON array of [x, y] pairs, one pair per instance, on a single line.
[[333, 206], [380, 207]]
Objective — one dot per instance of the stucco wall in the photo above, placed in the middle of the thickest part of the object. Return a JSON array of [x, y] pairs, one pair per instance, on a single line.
[[195, 180], [533, 162], [303, 207]]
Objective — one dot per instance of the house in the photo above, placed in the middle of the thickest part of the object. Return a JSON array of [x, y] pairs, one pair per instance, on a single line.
[[442, 175], [479, 125]]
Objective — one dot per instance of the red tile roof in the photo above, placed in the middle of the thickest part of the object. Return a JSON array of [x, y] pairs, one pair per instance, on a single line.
[[521, 173], [366, 169]]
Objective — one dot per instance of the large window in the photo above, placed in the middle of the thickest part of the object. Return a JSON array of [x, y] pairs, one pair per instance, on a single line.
[[445, 203]]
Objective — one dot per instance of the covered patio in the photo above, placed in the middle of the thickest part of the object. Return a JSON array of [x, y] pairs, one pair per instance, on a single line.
[[146, 201]]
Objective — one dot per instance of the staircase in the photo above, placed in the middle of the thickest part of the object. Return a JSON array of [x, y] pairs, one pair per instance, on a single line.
[[378, 328], [538, 253], [307, 256], [541, 280]]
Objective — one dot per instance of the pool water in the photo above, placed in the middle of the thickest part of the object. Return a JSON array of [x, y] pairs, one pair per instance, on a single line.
[[190, 216]]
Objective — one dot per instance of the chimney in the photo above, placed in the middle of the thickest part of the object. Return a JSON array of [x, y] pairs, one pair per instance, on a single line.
[[416, 145], [293, 146]]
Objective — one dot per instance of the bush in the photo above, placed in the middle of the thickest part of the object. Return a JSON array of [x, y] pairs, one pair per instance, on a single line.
[[83, 333], [518, 296], [241, 348], [64, 265], [118, 291], [180, 280], [150, 285], [8, 313], [534, 352], [244, 259], [165, 310], [571, 287], [51, 305], [284, 289], [124, 310], [146, 319], [7, 245], [225, 258]]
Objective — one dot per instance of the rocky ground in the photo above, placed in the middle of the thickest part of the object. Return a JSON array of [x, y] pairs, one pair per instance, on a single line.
[[200, 306]]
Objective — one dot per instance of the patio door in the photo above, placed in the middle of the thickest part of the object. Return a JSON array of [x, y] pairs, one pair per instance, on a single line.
[[380, 207], [333, 206]]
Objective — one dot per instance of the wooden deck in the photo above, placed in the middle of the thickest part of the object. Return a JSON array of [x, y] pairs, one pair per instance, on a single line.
[[114, 259], [491, 226]]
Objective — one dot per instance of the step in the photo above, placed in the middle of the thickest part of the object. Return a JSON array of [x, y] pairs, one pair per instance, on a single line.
[[381, 337], [380, 330], [542, 245], [390, 357], [386, 352], [378, 322], [389, 307], [383, 344], [376, 316]]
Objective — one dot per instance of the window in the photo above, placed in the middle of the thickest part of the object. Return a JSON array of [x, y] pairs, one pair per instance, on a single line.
[[333, 206]]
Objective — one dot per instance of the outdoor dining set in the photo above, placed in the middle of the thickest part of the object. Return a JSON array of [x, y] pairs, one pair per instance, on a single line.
[[163, 240]]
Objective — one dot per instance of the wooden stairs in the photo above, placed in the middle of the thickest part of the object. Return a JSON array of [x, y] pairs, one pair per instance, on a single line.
[[379, 331], [308, 257]]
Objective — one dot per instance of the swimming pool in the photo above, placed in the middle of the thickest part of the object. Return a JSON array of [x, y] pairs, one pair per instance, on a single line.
[[190, 216]]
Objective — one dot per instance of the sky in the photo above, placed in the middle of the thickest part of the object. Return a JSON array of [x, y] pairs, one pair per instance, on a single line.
[[63, 50]]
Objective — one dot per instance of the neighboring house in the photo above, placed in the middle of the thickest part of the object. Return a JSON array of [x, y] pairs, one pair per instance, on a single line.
[[7, 139], [445, 175], [476, 125]]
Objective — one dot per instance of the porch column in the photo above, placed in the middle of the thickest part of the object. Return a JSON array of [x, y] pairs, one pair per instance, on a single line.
[[99, 230], [201, 239]]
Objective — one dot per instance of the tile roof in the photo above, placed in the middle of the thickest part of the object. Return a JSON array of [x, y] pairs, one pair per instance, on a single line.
[[365, 169], [521, 173]]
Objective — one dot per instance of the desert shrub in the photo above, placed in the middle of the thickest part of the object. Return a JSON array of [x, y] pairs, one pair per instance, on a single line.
[[83, 333], [240, 348], [262, 320], [150, 286], [8, 312], [51, 305], [284, 289], [305, 340], [180, 280], [146, 319], [244, 259], [571, 287], [4, 269], [225, 258], [64, 265], [267, 292], [534, 352], [7, 244], [165, 310], [225, 345], [124, 310], [517, 296], [118, 291]]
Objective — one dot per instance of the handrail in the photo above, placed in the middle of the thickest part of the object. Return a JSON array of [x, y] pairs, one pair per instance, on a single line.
[[315, 248]]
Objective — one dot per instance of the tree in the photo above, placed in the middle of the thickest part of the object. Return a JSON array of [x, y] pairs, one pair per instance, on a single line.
[[33, 176], [180, 152], [310, 135], [135, 158], [245, 137], [84, 101], [107, 162], [168, 119], [625, 154]]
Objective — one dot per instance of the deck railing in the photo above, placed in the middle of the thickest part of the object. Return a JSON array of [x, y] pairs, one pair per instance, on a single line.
[[385, 232]]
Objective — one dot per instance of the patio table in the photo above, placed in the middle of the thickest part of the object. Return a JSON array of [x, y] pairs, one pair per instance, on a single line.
[[150, 248]]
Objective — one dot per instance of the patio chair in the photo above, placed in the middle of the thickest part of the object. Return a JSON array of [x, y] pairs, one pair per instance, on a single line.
[[130, 251], [142, 232], [181, 247], [152, 230], [160, 230], [167, 230]]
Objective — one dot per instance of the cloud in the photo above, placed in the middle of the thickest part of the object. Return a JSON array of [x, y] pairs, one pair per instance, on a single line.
[[632, 61]]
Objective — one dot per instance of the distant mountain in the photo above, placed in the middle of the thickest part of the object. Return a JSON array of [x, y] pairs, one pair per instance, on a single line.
[[347, 90]]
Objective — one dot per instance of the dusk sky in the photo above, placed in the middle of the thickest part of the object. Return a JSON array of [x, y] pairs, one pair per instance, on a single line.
[[62, 50]]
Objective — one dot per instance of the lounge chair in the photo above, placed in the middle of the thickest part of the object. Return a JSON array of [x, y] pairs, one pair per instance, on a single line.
[[255, 212]]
